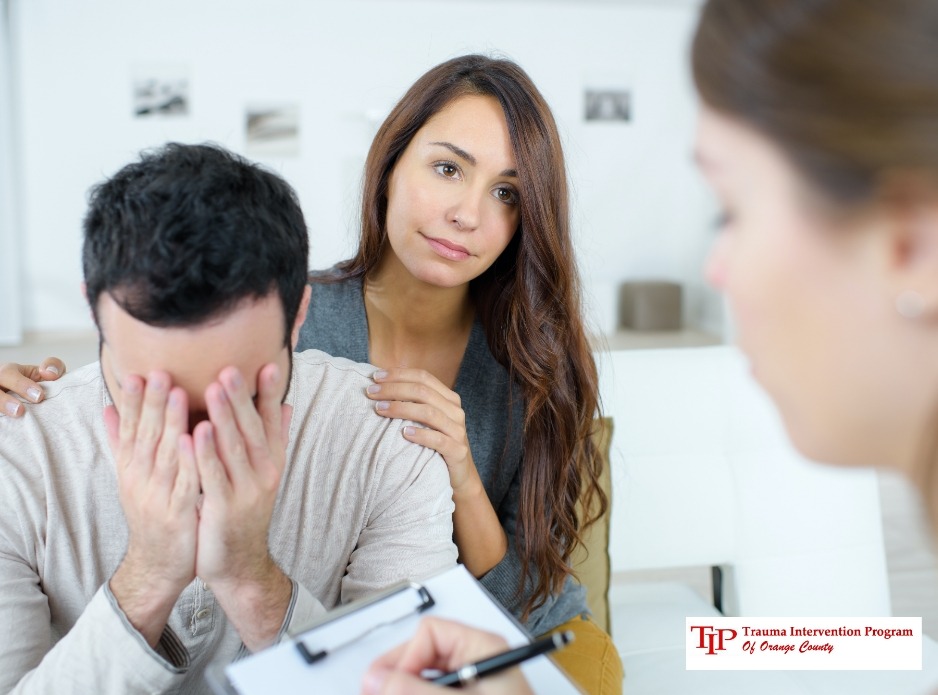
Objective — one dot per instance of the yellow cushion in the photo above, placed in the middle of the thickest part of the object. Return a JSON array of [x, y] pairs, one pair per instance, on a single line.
[[592, 660], [590, 560]]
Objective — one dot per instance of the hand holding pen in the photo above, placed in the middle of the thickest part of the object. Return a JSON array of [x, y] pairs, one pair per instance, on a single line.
[[450, 647]]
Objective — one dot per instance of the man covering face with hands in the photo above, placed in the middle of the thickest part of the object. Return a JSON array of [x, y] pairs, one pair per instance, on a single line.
[[202, 489]]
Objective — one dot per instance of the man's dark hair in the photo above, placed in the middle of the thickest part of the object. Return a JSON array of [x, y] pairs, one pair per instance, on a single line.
[[188, 232]]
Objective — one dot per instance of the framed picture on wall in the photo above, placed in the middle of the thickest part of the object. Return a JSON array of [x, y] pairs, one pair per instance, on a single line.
[[160, 91], [272, 130], [608, 105]]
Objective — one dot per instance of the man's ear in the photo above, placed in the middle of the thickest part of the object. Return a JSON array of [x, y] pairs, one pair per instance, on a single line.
[[300, 317], [911, 211], [91, 311]]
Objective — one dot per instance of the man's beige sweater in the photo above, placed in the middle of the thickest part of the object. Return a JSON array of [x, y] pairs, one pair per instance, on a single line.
[[359, 508]]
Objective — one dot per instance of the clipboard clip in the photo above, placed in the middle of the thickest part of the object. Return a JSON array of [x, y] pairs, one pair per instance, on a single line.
[[424, 601]]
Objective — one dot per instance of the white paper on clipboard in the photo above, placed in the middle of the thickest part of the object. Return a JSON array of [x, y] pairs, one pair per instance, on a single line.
[[456, 596]]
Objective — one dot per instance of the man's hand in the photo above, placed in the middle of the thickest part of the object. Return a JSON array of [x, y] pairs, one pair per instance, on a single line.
[[240, 456], [159, 491]]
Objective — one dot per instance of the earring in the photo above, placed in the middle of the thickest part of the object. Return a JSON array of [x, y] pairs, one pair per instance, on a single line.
[[910, 304]]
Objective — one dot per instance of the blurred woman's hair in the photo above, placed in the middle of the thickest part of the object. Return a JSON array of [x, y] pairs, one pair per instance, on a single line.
[[847, 89]]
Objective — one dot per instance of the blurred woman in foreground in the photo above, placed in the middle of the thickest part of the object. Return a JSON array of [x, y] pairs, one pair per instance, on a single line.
[[819, 134]]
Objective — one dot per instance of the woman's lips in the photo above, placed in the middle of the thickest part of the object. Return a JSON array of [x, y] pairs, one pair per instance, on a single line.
[[447, 249]]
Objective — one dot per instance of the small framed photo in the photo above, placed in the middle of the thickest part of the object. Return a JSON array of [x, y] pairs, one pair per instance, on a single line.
[[160, 91], [608, 105], [272, 130]]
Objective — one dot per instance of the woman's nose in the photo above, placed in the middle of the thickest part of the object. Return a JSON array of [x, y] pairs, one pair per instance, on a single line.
[[466, 211]]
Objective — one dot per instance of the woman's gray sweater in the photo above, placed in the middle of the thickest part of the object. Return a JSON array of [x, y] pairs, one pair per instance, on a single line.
[[336, 323]]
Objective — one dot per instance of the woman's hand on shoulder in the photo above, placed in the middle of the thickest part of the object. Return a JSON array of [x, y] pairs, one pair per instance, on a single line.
[[23, 380], [415, 394]]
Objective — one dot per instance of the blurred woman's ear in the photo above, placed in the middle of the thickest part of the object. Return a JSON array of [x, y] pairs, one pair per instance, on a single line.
[[909, 202]]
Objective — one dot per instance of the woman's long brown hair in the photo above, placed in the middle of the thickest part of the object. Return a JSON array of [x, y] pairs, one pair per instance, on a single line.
[[528, 303]]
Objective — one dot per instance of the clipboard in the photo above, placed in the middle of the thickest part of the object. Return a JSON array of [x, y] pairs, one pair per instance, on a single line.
[[332, 654]]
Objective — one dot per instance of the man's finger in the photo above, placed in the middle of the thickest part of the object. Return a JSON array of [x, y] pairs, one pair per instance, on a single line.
[[176, 422], [270, 390], [186, 489], [150, 426], [246, 417], [227, 441], [131, 403], [212, 472], [112, 424]]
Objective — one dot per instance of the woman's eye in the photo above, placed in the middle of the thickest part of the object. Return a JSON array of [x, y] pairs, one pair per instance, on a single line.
[[447, 169], [506, 195], [723, 220]]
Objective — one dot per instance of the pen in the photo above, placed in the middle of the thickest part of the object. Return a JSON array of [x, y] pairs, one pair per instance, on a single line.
[[470, 673]]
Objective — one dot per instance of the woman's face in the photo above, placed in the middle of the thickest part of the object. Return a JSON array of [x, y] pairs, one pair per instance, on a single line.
[[811, 298], [453, 202]]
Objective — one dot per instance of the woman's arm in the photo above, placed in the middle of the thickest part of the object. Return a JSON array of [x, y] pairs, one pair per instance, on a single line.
[[415, 394], [23, 380]]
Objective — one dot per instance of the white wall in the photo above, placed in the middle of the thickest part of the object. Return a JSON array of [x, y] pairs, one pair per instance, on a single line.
[[11, 320], [640, 209]]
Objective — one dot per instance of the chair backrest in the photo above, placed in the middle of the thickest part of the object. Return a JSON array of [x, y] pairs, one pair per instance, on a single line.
[[703, 474]]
